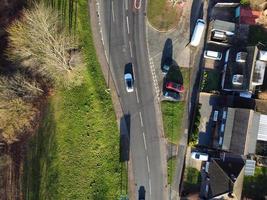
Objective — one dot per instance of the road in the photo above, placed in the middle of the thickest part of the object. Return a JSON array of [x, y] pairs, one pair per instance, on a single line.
[[124, 37]]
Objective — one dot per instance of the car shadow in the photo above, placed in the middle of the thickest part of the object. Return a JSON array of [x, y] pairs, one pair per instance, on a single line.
[[125, 125], [128, 68], [196, 13], [141, 193]]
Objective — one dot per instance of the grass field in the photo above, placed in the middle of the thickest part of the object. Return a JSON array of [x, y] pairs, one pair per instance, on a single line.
[[75, 154], [162, 15]]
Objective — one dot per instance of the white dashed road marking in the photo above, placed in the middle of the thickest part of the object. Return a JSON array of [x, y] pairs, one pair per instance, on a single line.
[[141, 119], [144, 137]]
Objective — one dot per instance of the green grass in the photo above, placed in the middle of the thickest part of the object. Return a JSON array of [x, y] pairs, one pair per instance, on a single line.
[[257, 34], [162, 15], [75, 154], [192, 179], [173, 112], [171, 169], [255, 186]]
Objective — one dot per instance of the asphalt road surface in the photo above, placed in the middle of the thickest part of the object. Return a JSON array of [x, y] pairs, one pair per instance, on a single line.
[[123, 31]]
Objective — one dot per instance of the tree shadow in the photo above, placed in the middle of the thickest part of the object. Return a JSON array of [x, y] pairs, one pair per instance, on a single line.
[[166, 58], [125, 125], [40, 176]]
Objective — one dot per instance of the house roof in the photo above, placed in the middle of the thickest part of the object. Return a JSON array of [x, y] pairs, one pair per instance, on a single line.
[[225, 176], [242, 71], [240, 135], [262, 133], [224, 26]]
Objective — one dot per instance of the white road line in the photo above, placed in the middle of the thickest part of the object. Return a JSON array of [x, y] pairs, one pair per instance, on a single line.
[[112, 9], [144, 140], [141, 119], [126, 4], [150, 193], [131, 50], [147, 161], [137, 96], [127, 22]]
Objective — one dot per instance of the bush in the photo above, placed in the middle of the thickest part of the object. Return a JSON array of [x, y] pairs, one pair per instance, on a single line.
[[193, 138], [245, 2]]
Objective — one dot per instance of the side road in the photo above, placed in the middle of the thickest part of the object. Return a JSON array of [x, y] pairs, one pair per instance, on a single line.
[[111, 87]]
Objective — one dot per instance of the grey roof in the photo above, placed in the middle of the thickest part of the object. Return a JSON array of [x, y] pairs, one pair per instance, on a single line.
[[224, 26], [239, 68], [262, 131], [225, 176], [240, 135]]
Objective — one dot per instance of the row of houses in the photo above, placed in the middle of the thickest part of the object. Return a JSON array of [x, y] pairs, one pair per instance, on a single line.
[[229, 123]]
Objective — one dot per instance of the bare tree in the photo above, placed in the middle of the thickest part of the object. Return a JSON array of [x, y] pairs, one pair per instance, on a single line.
[[16, 117], [39, 36], [17, 85]]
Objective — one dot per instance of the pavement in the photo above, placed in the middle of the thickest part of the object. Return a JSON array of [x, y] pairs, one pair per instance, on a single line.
[[122, 32], [177, 41]]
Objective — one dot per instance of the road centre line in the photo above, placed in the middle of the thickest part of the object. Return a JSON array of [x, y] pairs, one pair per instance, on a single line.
[[147, 161], [126, 4], [150, 193], [141, 119], [131, 50], [112, 9], [144, 137], [137, 96], [127, 22]]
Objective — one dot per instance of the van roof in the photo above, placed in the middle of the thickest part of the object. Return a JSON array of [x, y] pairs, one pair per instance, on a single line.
[[198, 31]]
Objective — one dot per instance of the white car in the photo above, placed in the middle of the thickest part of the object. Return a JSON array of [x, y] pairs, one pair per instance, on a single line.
[[214, 55], [200, 156], [128, 78]]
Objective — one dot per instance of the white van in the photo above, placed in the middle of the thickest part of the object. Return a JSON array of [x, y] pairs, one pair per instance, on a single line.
[[198, 32]]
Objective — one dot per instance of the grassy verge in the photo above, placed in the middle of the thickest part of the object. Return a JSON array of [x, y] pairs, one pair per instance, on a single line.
[[162, 15], [255, 186], [75, 154], [172, 113], [192, 180], [171, 169]]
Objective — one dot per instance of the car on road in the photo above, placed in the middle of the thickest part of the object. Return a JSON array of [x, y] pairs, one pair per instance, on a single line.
[[128, 78], [142, 193], [214, 55], [137, 4], [200, 156], [174, 86], [171, 95]]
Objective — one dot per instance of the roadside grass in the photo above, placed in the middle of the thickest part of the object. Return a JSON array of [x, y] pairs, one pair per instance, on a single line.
[[173, 112], [210, 81], [75, 154], [171, 169], [162, 15], [257, 34], [192, 180], [255, 186]]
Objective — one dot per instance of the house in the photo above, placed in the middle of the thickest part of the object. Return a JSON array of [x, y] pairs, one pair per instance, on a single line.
[[235, 130], [222, 178], [244, 69]]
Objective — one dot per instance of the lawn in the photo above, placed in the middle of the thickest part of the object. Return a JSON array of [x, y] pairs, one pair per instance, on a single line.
[[210, 81], [171, 169], [257, 34], [255, 186], [162, 15], [75, 154], [192, 180], [173, 112]]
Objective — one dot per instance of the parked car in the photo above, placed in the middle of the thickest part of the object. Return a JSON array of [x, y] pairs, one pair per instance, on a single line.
[[128, 78], [171, 95], [214, 55], [198, 32], [200, 156], [174, 86]]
